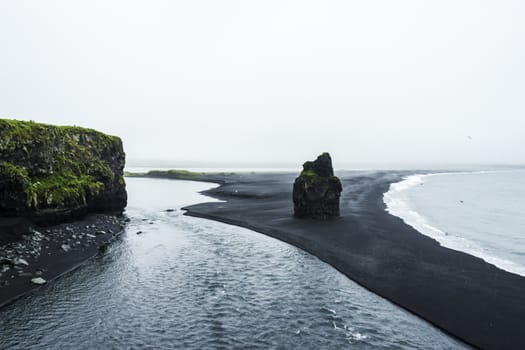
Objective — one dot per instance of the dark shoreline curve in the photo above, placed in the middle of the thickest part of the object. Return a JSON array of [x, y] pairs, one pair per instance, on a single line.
[[53, 261], [459, 293]]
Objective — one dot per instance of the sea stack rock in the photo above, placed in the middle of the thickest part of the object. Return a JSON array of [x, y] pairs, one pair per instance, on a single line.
[[51, 174], [316, 191]]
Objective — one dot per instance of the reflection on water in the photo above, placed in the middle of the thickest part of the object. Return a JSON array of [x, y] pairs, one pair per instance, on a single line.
[[191, 283]]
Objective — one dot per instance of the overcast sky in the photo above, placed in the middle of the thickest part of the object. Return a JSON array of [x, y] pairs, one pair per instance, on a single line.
[[379, 82]]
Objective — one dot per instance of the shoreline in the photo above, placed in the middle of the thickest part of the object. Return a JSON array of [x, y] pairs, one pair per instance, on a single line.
[[51, 252], [404, 209], [460, 294]]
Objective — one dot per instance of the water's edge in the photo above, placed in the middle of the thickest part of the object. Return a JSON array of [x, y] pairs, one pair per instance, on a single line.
[[58, 263], [192, 277], [400, 208], [297, 244]]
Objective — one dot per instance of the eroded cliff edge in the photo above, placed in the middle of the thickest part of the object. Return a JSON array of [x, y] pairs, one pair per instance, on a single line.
[[51, 174]]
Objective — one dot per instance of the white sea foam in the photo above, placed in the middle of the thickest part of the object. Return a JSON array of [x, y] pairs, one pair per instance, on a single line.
[[398, 204]]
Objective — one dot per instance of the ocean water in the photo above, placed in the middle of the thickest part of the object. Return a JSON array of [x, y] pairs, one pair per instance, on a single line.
[[480, 213], [189, 283]]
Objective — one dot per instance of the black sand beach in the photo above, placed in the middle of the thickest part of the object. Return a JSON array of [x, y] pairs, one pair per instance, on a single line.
[[461, 294], [49, 252]]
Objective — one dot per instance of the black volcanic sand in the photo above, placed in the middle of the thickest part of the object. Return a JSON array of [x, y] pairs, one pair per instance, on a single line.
[[461, 294], [52, 251]]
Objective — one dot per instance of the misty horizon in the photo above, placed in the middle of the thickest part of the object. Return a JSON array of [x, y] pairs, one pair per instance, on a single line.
[[377, 84], [339, 165]]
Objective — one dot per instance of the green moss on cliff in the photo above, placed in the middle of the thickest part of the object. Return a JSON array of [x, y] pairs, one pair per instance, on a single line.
[[11, 171], [16, 184], [308, 172], [66, 189], [46, 166]]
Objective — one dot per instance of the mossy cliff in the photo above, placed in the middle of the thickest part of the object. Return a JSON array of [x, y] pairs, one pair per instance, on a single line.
[[316, 190], [58, 173]]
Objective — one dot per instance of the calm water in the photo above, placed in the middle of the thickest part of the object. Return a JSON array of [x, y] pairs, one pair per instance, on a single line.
[[195, 284], [481, 213]]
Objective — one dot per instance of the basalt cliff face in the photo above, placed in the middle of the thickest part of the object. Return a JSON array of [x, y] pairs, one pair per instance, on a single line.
[[50, 174], [316, 191]]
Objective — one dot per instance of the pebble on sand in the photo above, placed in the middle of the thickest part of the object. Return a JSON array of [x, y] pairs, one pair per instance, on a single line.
[[21, 261], [38, 280]]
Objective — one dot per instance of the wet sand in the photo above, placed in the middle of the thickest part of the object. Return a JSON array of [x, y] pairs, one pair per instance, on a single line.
[[49, 252], [461, 294]]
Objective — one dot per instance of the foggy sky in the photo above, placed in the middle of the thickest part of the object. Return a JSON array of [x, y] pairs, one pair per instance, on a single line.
[[378, 82]]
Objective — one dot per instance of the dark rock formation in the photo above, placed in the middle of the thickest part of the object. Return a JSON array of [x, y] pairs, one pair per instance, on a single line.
[[316, 191], [50, 174]]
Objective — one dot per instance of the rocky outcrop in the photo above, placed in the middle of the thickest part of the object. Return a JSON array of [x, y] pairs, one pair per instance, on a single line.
[[50, 174], [316, 191]]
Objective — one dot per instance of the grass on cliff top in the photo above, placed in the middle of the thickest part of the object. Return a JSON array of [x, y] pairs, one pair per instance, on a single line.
[[25, 129], [54, 166]]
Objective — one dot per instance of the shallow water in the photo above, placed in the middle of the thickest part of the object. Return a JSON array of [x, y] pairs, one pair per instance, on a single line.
[[480, 213], [192, 283]]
